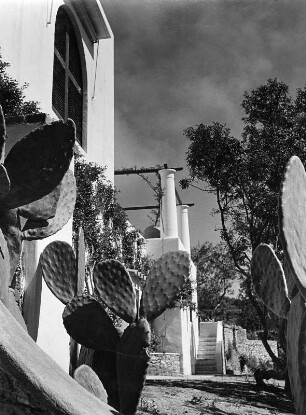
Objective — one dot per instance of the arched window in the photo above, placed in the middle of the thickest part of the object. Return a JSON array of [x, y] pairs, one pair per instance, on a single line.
[[67, 92]]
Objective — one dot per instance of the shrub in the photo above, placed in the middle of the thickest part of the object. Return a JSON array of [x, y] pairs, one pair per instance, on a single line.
[[12, 98]]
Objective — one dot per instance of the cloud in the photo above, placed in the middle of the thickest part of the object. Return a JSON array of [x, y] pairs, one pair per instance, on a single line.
[[180, 63]]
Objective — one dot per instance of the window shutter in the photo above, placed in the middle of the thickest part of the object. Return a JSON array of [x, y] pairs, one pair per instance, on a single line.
[[67, 93]]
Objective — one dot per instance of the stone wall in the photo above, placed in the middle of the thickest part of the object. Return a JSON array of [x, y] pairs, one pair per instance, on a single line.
[[236, 344], [165, 364]]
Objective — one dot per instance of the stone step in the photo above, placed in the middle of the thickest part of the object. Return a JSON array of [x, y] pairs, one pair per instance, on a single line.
[[201, 356], [207, 347], [211, 366], [205, 372], [203, 362], [207, 344], [207, 365], [205, 369]]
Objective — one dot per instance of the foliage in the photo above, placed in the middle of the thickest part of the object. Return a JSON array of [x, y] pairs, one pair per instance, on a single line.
[[107, 232], [247, 317], [12, 98], [254, 363], [215, 275], [185, 296], [149, 406], [158, 193], [245, 174], [156, 340]]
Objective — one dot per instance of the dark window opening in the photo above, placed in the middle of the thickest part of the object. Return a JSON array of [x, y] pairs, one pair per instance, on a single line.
[[67, 92]]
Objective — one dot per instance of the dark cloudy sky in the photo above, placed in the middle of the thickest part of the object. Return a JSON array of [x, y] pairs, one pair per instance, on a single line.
[[179, 63]]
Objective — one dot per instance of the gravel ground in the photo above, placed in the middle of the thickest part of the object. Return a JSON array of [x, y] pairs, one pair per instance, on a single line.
[[213, 395]]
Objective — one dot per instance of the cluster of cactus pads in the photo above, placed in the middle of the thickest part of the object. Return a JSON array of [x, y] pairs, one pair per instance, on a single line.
[[283, 288], [37, 193], [119, 359]]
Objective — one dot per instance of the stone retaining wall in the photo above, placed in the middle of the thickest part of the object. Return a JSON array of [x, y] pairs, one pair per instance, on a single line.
[[236, 336], [165, 364], [236, 344]]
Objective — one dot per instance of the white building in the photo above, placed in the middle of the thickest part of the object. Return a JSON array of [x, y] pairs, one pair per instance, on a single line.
[[64, 50], [177, 328]]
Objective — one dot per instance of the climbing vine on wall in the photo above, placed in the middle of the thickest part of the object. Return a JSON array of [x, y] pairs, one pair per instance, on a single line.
[[107, 232]]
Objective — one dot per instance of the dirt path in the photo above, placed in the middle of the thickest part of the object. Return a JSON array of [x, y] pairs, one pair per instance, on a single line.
[[213, 396]]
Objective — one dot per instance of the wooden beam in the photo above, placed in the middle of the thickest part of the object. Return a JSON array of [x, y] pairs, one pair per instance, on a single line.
[[153, 207], [144, 170]]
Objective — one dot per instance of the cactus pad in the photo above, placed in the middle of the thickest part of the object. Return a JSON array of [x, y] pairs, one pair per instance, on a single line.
[[104, 364], [81, 261], [44, 208], [85, 356], [14, 309], [292, 288], [296, 353], [5, 183], [4, 270], [269, 280], [132, 364], [164, 282], [292, 224], [64, 210], [2, 135], [9, 225], [115, 288], [87, 322], [46, 382], [37, 163], [87, 378], [58, 266]]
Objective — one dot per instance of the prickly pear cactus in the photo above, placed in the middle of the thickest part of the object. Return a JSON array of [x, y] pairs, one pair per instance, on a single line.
[[88, 323], [120, 361], [30, 184], [271, 286], [31, 197], [87, 378], [58, 264], [31, 190], [38, 162], [56, 208], [132, 364], [292, 211], [4, 271], [164, 283], [269, 280], [115, 287]]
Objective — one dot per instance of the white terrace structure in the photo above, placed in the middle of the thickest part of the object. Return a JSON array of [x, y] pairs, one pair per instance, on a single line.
[[177, 328], [64, 50]]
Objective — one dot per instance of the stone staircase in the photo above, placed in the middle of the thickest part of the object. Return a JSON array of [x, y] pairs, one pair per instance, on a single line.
[[206, 357]]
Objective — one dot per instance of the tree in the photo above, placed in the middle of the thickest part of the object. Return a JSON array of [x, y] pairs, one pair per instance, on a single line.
[[245, 174], [12, 98], [215, 275]]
